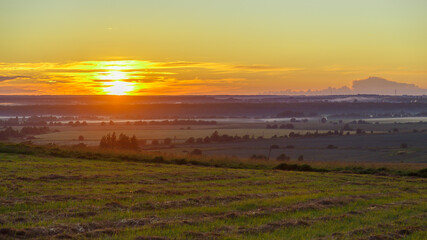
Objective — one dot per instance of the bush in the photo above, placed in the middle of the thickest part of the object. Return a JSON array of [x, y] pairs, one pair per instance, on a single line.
[[81, 138], [359, 131], [301, 158], [263, 157], [283, 157], [422, 173], [404, 145], [330, 146], [196, 152], [295, 167]]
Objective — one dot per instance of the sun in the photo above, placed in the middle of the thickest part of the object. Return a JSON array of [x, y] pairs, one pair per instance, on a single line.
[[116, 83], [116, 77], [119, 88]]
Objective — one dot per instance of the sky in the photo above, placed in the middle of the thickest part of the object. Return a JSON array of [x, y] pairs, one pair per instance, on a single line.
[[141, 47]]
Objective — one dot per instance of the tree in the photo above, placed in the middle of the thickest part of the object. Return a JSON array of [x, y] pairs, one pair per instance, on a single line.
[[215, 136], [323, 120], [122, 142], [113, 140], [190, 140], [134, 142], [103, 143]]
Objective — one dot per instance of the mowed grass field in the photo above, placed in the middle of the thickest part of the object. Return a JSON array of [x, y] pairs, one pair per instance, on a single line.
[[60, 198]]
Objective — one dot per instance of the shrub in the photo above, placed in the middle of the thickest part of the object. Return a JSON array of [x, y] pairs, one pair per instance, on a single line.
[[259, 157], [422, 173], [283, 157], [295, 167], [81, 138], [196, 152], [301, 158], [404, 145], [330, 146]]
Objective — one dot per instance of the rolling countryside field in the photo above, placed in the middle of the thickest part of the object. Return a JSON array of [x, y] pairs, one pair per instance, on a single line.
[[213, 120], [70, 198]]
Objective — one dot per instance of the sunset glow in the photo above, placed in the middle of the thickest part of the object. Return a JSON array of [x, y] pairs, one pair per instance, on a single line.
[[198, 47], [119, 88]]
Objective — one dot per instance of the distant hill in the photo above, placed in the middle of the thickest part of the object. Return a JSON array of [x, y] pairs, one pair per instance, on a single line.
[[376, 85], [371, 85]]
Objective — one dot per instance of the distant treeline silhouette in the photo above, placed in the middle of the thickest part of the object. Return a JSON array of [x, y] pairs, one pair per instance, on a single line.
[[217, 138], [9, 132], [211, 110], [292, 114], [281, 126], [176, 122]]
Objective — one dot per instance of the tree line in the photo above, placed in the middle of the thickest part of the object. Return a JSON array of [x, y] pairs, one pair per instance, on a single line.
[[122, 141], [9, 132]]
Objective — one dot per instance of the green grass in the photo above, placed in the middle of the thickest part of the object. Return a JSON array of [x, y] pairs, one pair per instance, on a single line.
[[94, 153], [44, 196]]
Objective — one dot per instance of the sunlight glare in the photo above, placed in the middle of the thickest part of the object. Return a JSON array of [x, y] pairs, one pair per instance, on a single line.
[[119, 88]]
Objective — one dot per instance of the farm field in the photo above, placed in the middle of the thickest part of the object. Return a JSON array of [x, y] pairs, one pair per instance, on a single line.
[[94, 132], [96, 199], [377, 147], [353, 148]]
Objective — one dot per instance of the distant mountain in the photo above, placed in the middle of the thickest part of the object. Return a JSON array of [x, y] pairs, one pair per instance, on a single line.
[[371, 85]]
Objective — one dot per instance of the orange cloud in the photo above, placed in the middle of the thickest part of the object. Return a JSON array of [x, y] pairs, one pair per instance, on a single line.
[[139, 77]]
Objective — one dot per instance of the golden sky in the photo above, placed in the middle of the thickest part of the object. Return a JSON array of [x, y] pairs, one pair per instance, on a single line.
[[207, 47]]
